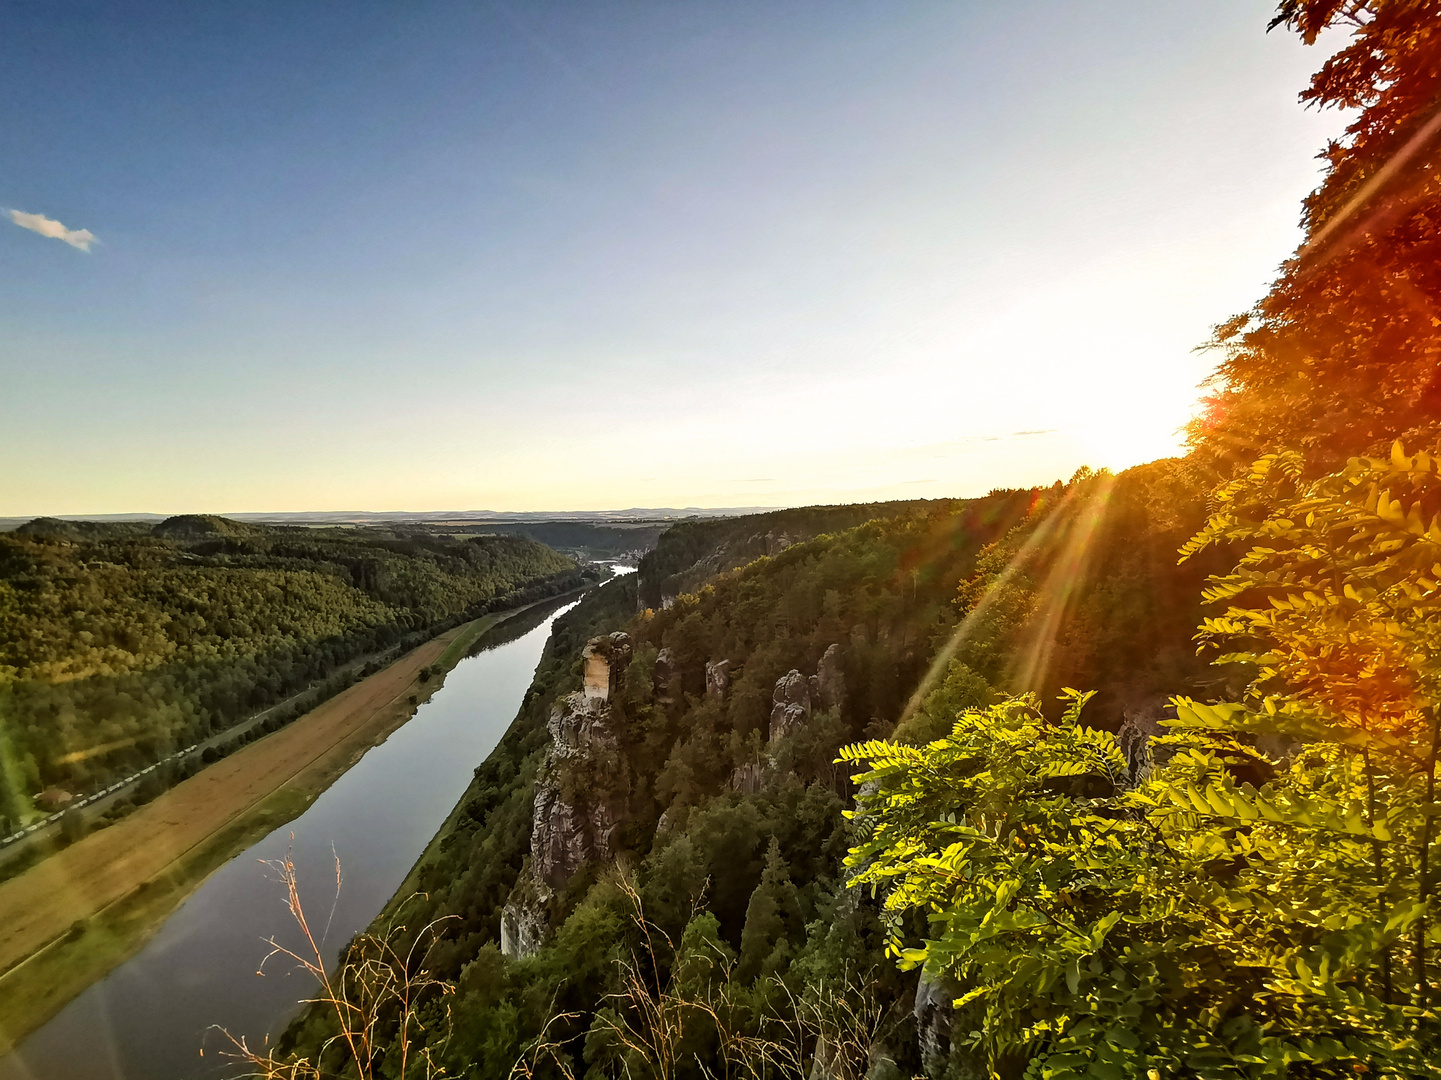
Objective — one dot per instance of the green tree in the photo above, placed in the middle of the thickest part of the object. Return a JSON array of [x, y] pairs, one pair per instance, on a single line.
[[1340, 356], [1235, 912], [773, 917], [1337, 609]]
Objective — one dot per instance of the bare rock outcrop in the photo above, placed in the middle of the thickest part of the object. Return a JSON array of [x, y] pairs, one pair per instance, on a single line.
[[582, 794], [1140, 723], [796, 695], [790, 705], [717, 679], [605, 659], [936, 1017], [828, 684], [524, 924], [748, 778], [776, 542]]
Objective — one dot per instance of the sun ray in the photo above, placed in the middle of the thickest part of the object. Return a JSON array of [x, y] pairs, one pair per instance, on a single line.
[[1039, 540], [1057, 595]]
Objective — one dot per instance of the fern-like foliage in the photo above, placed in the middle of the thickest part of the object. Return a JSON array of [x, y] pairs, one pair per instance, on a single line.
[[1197, 924]]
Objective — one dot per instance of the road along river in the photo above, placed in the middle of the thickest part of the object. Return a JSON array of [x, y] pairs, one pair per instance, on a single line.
[[150, 1018]]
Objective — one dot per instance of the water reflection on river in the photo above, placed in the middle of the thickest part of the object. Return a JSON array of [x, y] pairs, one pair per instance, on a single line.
[[150, 1017]]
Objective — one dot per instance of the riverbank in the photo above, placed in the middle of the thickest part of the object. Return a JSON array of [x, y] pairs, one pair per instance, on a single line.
[[69, 920]]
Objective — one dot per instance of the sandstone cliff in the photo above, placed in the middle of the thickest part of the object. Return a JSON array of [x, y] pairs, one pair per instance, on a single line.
[[582, 793]]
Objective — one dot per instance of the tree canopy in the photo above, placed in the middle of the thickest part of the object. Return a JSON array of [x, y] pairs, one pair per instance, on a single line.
[[1343, 354]]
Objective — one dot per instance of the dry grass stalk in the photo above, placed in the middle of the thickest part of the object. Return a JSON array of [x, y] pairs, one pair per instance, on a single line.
[[833, 1030], [375, 998]]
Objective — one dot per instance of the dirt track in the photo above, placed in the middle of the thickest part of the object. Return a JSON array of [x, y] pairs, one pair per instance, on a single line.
[[42, 904]]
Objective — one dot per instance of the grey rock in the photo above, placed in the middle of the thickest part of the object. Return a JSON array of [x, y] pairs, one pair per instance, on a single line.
[[824, 1065], [933, 1011], [717, 679], [524, 925], [582, 792], [828, 684], [775, 543], [559, 844], [748, 778], [786, 720], [1140, 724], [793, 688], [795, 695], [791, 705]]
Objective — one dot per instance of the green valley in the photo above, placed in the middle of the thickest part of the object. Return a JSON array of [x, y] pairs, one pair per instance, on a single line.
[[121, 643]]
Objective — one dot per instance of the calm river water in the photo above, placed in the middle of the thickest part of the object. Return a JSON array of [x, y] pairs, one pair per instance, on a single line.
[[149, 1018]]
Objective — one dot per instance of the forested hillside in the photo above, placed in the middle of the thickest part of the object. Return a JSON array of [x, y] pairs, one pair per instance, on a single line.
[[120, 643], [947, 789], [691, 552], [730, 821]]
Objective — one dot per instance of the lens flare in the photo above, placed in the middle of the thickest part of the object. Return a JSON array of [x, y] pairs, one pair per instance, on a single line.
[[1065, 538]]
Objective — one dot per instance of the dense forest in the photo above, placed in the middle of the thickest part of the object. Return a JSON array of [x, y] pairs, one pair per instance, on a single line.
[[948, 789], [120, 643], [691, 552], [717, 812]]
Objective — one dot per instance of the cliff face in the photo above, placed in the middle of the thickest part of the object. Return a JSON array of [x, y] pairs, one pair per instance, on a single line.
[[604, 660], [582, 793]]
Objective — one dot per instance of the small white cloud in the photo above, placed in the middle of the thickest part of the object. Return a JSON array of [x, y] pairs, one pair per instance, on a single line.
[[76, 238]]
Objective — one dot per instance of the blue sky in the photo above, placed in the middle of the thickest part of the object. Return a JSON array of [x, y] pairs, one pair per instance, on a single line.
[[583, 255]]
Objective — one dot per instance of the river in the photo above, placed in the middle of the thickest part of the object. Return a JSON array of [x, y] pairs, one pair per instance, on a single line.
[[150, 1018]]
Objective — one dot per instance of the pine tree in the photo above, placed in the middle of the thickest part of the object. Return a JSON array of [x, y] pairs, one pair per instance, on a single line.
[[773, 916]]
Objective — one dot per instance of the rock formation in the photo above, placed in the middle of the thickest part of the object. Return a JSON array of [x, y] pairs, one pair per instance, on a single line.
[[791, 705], [1139, 725], [524, 925], [795, 695], [717, 679], [828, 684], [749, 778], [935, 1015], [582, 793], [605, 659], [776, 542]]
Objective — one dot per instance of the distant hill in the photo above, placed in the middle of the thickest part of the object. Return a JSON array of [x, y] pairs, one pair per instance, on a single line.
[[203, 527], [83, 530], [123, 640], [620, 518]]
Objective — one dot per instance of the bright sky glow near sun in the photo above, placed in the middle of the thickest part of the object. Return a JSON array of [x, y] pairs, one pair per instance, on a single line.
[[344, 255]]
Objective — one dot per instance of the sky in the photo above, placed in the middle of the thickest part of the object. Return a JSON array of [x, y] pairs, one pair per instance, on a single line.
[[304, 255]]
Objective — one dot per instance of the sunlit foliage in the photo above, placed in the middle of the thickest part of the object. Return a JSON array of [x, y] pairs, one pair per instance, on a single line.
[[1258, 898], [1340, 357]]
